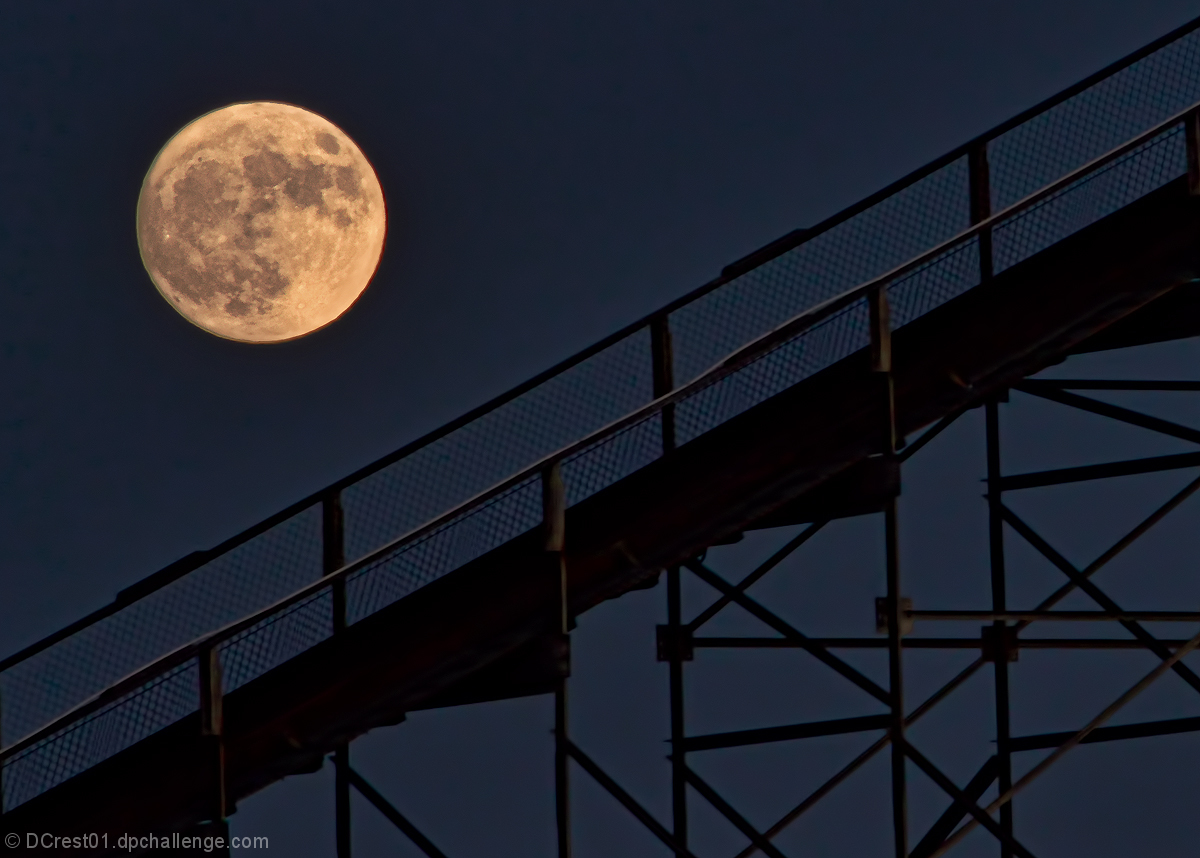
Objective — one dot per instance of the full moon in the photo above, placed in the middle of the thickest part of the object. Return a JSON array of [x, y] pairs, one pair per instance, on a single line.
[[261, 222]]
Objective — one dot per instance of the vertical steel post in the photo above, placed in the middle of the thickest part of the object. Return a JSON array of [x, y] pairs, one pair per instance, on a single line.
[[1000, 631], [661, 355], [881, 363], [212, 728], [333, 550], [1191, 133], [678, 759], [554, 507], [981, 209], [334, 557], [896, 682], [341, 799], [1192, 138], [980, 190]]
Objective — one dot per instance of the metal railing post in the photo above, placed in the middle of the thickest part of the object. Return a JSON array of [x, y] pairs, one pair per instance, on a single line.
[[554, 507], [333, 553], [333, 558], [1191, 129], [881, 363], [980, 190], [662, 357]]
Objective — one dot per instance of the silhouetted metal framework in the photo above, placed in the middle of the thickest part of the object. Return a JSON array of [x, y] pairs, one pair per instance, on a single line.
[[1083, 208], [999, 643]]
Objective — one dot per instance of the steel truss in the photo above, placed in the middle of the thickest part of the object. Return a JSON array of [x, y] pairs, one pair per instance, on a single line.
[[998, 645]]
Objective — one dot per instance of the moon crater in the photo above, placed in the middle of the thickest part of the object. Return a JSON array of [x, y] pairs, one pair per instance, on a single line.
[[261, 222]]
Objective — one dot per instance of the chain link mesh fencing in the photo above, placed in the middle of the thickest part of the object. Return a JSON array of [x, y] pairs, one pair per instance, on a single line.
[[893, 231], [565, 408], [246, 579], [101, 734], [1097, 120]]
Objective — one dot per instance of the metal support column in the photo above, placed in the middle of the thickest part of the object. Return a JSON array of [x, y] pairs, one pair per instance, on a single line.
[[661, 354], [981, 210], [334, 557], [1000, 629], [881, 360], [896, 682], [554, 505], [679, 770]]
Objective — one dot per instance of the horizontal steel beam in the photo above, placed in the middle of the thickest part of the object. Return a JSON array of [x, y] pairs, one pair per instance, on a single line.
[[767, 617], [1109, 734], [1125, 468], [1097, 595], [926, 643], [763, 735], [1060, 616], [1107, 384]]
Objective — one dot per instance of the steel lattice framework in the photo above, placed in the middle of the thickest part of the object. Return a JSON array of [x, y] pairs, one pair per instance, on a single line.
[[999, 643], [878, 316]]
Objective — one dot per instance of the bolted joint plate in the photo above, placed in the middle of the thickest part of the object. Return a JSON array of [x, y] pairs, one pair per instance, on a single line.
[[674, 642], [995, 640], [881, 615]]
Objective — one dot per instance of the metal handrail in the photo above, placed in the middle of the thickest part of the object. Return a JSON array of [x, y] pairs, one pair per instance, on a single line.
[[793, 326], [724, 368], [157, 580]]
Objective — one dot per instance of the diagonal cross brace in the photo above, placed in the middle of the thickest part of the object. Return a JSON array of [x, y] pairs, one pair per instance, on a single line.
[[948, 821], [1083, 583], [859, 761], [769, 564], [931, 433], [716, 581], [394, 816], [726, 809], [614, 789], [961, 799]]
